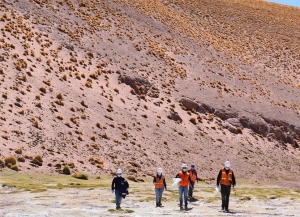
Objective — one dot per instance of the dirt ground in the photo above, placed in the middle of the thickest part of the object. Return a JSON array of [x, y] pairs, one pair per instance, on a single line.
[[66, 196]]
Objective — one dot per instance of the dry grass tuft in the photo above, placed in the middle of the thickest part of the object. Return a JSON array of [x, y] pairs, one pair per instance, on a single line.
[[38, 158], [79, 175], [10, 160], [18, 151], [193, 120]]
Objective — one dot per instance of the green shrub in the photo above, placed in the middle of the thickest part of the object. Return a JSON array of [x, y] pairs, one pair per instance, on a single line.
[[66, 170], [78, 175], [15, 167]]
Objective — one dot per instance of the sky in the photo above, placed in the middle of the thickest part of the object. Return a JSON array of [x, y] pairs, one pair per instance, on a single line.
[[287, 2]]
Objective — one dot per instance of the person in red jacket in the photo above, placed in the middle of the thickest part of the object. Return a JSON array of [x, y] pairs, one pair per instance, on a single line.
[[226, 179], [193, 179], [183, 187], [160, 184]]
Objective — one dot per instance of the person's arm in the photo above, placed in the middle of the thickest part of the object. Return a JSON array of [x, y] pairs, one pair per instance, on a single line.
[[219, 177], [233, 180], [197, 176], [177, 176], [165, 183], [154, 179], [113, 185]]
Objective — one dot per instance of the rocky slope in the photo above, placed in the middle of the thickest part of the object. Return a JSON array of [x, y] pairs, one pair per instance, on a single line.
[[141, 84]]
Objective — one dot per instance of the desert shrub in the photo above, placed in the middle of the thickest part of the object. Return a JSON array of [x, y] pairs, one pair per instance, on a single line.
[[15, 167], [193, 120], [2, 163], [10, 160], [38, 157], [239, 130], [79, 175], [66, 170], [18, 151]]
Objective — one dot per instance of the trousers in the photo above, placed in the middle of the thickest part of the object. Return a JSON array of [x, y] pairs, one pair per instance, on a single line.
[[225, 193]]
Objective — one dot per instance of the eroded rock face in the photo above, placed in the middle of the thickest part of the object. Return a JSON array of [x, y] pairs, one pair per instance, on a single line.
[[140, 84], [267, 127]]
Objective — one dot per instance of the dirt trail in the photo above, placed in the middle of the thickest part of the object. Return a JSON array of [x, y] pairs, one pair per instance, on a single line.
[[67, 202]]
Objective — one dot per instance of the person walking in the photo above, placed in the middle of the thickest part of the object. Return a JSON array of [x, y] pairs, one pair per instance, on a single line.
[[193, 179], [160, 184], [183, 186], [226, 179], [118, 185]]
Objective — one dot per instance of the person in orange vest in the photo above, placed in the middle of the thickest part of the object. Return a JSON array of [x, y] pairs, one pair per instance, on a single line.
[[160, 184], [226, 179], [183, 187], [193, 178]]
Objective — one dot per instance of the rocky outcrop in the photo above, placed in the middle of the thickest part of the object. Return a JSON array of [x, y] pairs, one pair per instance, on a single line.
[[267, 127], [175, 117], [140, 84]]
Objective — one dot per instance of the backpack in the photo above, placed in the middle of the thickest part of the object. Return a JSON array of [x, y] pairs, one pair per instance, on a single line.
[[124, 188]]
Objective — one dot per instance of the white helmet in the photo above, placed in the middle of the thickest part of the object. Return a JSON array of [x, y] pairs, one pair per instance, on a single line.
[[184, 166], [159, 170], [119, 171], [227, 164]]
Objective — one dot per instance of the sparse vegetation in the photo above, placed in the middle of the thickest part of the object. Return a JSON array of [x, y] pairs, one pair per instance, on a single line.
[[80, 175]]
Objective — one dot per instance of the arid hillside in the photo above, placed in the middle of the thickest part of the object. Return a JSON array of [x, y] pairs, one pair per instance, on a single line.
[[141, 84]]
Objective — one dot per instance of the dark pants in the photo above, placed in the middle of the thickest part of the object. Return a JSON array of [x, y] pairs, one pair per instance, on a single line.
[[191, 188], [225, 192], [118, 197]]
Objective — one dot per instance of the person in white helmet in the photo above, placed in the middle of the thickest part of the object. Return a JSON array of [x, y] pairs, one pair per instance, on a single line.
[[183, 187], [119, 186], [160, 184], [226, 179]]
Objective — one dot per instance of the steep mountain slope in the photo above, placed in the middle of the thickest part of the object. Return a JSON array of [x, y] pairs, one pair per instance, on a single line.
[[142, 84]]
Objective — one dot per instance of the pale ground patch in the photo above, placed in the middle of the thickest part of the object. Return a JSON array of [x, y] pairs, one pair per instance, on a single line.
[[65, 196]]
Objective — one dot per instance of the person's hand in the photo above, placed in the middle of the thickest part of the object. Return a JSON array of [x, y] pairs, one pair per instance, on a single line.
[[112, 191], [166, 189], [218, 186]]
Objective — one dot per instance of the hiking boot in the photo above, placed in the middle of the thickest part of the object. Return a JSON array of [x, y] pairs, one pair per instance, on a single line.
[[118, 207], [186, 208], [159, 203]]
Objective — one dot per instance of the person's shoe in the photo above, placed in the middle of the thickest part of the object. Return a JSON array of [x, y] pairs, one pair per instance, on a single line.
[[186, 208], [118, 207], [226, 210]]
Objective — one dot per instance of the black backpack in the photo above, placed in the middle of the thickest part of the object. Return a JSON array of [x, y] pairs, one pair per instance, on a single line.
[[124, 188]]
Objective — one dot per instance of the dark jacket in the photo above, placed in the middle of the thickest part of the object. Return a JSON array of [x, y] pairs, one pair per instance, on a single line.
[[116, 183], [154, 180], [220, 174]]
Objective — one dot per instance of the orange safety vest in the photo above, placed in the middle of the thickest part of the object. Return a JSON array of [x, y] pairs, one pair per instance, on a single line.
[[159, 182], [184, 178], [226, 179], [193, 176]]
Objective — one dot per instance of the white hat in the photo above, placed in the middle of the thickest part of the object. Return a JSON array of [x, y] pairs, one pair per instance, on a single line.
[[159, 170], [227, 164], [119, 171], [184, 165]]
